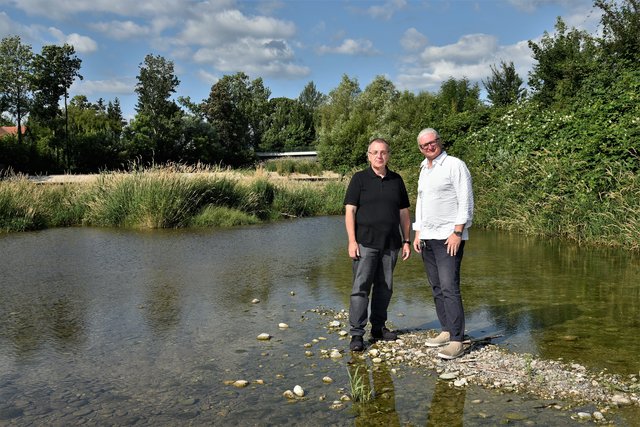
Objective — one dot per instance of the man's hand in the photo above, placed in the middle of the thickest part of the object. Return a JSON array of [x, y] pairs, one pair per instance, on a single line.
[[354, 250], [453, 244]]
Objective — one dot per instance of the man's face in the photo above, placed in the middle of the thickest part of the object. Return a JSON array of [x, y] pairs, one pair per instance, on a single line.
[[378, 154], [430, 146]]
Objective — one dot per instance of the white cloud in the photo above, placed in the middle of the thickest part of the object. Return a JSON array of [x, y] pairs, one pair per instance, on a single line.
[[82, 44], [387, 10], [471, 57], [211, 29], [121, 30], [469, 48], [413, 40], [113, 86], [256, 57], [209, 78], [350, 47]]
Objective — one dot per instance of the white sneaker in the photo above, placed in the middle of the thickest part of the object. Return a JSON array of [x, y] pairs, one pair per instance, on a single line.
[[440, 340], [453, 350]]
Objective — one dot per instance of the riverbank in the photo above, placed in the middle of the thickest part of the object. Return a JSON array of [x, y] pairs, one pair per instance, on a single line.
[[565, 385], [166, 197]]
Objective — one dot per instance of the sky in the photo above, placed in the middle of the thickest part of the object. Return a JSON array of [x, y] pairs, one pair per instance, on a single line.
[[416, 44]]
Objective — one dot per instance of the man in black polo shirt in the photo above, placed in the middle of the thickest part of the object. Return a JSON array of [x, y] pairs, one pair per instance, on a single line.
[[378, 226]]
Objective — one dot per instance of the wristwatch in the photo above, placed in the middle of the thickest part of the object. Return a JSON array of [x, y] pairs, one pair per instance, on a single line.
[[458, 233], [406, 241]]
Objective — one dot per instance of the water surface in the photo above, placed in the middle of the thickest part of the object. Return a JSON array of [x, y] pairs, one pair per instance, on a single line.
[[119, 327]]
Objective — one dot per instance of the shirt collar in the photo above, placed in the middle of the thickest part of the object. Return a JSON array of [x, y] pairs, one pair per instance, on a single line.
[[438, 160]]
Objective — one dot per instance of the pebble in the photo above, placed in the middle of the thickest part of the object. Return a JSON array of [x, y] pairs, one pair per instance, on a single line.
[[298, 391], [283, 325], [327, 380], [264, 337], [240, 383], [255, 301]]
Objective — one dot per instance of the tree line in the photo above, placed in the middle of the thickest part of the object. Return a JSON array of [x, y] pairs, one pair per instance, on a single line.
[[239, 119]]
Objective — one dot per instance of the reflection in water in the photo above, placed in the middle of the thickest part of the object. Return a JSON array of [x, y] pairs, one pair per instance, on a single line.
[[447, 405], [114, 327], [376, 381]]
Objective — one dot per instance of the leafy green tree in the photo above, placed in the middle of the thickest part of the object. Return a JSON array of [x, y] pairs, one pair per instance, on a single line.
[[456, 96], [339, 130], [16, 67], [238, 110], [96, 131], [55, 70], [154, 133], [289, 126], [504, 85], [621, 29], [564, 60]]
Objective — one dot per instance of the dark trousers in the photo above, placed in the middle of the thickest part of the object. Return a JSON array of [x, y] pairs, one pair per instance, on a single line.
[[372, 274], [443, 272]]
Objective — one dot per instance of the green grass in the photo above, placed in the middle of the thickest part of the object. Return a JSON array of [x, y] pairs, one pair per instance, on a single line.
[[166, 197]]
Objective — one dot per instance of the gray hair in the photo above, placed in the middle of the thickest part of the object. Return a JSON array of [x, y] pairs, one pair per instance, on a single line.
[[381, 140], [426, 131]]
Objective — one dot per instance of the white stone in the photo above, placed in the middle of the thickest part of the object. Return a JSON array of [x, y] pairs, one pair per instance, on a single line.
[[255, 301], [327, 380], [376, 360], [343, 333], [240, 383], [298, 391], [598, 416], [283, 325], [264, 337], [334, 324], [449, 375], [584, 415], [289, 394], [374, 352], [335, 354]]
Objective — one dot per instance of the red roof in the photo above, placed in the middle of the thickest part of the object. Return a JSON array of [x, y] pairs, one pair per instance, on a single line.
[[11, 130]]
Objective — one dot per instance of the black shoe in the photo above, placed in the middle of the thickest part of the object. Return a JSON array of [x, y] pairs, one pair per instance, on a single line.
[[383, 334], [357, 343]]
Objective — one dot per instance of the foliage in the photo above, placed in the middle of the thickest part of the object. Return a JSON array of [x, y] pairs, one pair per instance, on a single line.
[[504, 85], [564, 60], [16, 67]]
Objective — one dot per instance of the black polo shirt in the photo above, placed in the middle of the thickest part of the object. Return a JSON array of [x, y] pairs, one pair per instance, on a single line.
[[379, 201]]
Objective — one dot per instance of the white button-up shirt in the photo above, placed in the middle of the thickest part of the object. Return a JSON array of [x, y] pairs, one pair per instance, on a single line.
[[445, 198]]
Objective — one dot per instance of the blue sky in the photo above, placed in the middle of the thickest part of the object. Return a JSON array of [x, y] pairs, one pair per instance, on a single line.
[[417, 44]]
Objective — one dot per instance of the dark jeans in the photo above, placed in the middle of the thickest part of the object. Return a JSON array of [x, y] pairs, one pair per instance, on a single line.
[[443, 272], [374, 269]]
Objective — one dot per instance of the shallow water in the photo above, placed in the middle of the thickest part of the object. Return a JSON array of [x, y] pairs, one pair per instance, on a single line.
[[115, 327]]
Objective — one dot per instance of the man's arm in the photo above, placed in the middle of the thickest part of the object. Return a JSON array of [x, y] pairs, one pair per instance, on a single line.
[[350, 223], [405, 225]]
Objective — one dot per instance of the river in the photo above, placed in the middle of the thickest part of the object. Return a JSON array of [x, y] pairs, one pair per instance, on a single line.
[[119, 327]]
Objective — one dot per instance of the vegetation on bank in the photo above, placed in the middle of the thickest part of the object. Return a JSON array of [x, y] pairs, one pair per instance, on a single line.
[[165, 197]]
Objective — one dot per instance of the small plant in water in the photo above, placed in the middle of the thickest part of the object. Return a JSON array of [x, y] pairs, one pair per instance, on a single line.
[[360, 392]]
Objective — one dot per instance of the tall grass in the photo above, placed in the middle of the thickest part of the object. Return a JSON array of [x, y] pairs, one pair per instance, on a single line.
[[27, 206], [164, 198]]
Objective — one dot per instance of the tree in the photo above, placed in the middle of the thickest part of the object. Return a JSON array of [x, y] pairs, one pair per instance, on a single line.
[[621, 28], [456, 96], [238, 110], [55, 70], [563, 62], [289, 126], [503, 87], [340, 131], [16, 67], [154, 134]]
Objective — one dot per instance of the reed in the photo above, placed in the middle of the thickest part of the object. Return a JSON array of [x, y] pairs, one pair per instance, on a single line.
[[165, 197], [360, 391]]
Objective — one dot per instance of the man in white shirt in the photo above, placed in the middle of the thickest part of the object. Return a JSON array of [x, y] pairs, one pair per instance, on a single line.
[[444, 212]]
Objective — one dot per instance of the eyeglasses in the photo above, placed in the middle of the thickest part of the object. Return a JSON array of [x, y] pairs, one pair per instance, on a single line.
[[424, 146], [382, 153]]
